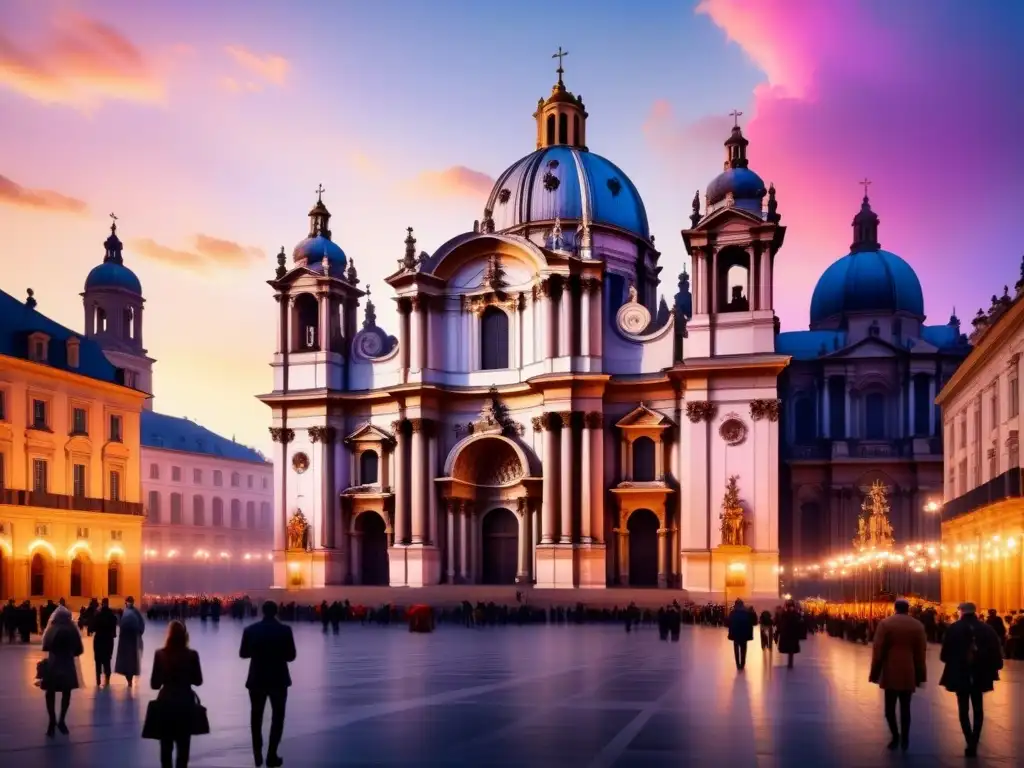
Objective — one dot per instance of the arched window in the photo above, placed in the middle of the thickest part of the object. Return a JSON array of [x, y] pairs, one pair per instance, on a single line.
[[218, 513], [576, 139], [494, 339], [100, 321], [806, 422], [368, 465], [38, 576], [307, 323], [250, 514], [236, 513], [643, 460], [76, 576], [874, 416], [563, 129], [733, 273], [153, 513], [198, 510], [236, 480], [114, 577], [550, 130], [175, 509]]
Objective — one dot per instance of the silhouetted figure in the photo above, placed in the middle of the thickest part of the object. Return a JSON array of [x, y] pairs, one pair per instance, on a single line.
[[741, 632], [104, 629], [129, 646], [898, 666], [10, 620], [270, 646], [973, 658], [173, 719], [59, 673], [790, 632], [766, 631]]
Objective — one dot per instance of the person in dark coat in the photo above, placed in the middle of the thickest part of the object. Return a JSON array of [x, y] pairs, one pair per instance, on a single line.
[[995, 621], [741, 632], [129, 647], [766, 631], [790, 627], [63, 644], [10, 620], [104, 629], [898, 666], [973, 657], [270, 647], [176, 669]]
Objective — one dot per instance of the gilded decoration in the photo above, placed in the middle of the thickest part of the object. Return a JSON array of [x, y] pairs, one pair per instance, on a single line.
[[765, 409], [733, 520], [593, 420], [873, 528], [298, 531], [733, 431], [700, 410], [300, 462], [282, 434], [494, 419], [322, 434]]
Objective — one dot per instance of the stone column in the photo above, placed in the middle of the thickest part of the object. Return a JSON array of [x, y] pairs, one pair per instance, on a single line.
[[403, 334], [416, 334], [549, 509], [416, 476], [596, 470], [450, 553], [355, 558], [659, 458], [568, 311], [281, 518], [597, 318], [826, 417], [551, 320], [328, 495], [931, 406], [565, 531], [623, 556], [662, 560], [847, 405], [586, 484], [912, 430], [523, 576], [463, 541], [401, 484], [423, 307], [584, 318], [324, 332], [432, 537], [282, 323]]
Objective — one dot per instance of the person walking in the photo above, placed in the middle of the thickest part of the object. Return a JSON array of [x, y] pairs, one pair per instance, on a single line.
[[741, 632], [790, 627], [103, 627], [973, 658], [129, 646], [172, 718], [270, 646], [898, 667], [766, 631], [58, 673]]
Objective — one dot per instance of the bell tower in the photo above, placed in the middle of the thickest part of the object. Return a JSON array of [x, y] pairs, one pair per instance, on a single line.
[[561, 118]]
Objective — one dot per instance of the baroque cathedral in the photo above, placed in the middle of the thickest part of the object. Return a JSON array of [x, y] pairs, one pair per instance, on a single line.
[[542, 414]]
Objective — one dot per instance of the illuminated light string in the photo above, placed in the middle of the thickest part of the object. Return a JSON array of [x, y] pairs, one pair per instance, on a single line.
[[204, 555]]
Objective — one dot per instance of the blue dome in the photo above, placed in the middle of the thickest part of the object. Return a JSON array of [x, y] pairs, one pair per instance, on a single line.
[[742, 182], [867, 281], [570, 184], [310, 253], [110, 274]]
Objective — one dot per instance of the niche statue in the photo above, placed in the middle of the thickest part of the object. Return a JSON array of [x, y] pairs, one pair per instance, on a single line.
[[733, 522]]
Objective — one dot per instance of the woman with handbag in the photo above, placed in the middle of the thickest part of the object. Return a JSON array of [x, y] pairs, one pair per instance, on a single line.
[[176, 715], [59, 670]]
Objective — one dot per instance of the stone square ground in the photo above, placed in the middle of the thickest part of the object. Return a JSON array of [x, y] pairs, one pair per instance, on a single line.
[[520, 696]]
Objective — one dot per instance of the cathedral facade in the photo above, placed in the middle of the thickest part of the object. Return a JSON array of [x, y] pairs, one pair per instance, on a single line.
[[541, 415]]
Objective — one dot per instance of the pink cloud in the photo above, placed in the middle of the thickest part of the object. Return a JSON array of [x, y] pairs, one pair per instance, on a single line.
[[267, 69], [457, 181], [206, 252], [14, 194]]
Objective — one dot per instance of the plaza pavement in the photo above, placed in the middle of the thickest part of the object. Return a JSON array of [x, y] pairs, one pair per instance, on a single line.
[[586, 696]]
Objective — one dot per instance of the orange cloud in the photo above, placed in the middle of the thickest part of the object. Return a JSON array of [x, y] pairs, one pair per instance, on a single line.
[[206, 252], [12, 193], [272, 69], [457, 181], [84, 63]]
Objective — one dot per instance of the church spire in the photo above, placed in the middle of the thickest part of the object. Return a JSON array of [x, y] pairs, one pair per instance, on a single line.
[[112, 244], [319, 216], [561, 118], [865, 226], [736, 144]]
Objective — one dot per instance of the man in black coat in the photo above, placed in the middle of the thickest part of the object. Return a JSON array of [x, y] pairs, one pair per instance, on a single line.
[[973, 657], [270, 646], [104, 630]]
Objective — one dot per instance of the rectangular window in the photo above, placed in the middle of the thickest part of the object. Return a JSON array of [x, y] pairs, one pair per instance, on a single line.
[[175, 509], [1014, 397], [264, 483], [115, 429], [963, 432], [176, 474], [197, 476], [248, 481], [218, 479], [39, 475], [81, 534], [79, 480], [39, 414], [154, 471], [115, 485], [236, 479], [995, 406], [79, 422], [116, 535]]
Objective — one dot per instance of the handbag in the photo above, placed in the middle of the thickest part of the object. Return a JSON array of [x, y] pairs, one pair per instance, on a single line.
[[42, 672], [200, 725], [152, 726], [157, 715]]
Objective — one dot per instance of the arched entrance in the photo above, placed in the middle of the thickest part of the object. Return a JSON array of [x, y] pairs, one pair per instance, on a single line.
[[37, 577], [643, 548], [113, 577], [500, 535], [79, 576], [373, 549]]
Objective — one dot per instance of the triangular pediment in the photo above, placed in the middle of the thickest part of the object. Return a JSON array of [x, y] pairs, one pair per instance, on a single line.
[[368, 433], [642, 416], [870, 346]]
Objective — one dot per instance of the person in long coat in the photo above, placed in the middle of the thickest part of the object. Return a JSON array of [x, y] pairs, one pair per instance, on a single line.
[[898, 666], [129, 646], [62, 642], [741, 632], [104, 627], [973, 657], [176, 669], [790, 628]]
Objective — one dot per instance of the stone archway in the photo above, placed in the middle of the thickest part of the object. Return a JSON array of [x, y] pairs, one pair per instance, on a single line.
[[372, 536], [114, 577], [500, 544], [37, 575], [643, 528], [81, 570]]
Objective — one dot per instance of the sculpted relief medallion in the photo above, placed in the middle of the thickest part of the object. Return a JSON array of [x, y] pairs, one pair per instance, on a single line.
[[300, 462], [733, 431]]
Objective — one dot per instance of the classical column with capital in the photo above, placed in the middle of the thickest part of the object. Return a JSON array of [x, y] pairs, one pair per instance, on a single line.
[[464, 541], [401, 484], [662, 570], [416, 478], [450, 553], [565, 531], [623, 555], [549, 510], [585, 324], [525, 555], [586, 486], [432, 520], [550, 320]]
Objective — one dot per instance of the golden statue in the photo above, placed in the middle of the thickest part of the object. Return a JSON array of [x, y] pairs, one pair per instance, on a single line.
[[873, 528], [298, 531], [733, 522]]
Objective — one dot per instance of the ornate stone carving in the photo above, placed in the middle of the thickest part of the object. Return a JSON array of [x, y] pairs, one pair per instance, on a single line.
[[633, 317], [590, 285], [593, 420], [700, 410], [733, 522], [300, 462], [1014, 359], [421, 425], [508, 471], [504, 195], [282, 434], [322, 434], [298, 531], [733, 431], [397, 427], [565, 419], [551, 182], [539, 423], [765, 409]]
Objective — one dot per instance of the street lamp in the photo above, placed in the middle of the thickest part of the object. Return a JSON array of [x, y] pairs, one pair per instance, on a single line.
[[932, 506]]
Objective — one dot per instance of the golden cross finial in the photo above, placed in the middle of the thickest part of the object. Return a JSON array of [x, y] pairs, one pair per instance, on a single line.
[[320, 192], [735, 115], [113, 223], [560, 55], [865, 184]]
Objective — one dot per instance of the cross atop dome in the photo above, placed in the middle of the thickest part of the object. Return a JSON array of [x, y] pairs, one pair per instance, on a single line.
[[560, 55], [561, 118], [865, 225]]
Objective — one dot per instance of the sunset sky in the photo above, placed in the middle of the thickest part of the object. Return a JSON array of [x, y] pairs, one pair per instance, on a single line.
[[207, 126]]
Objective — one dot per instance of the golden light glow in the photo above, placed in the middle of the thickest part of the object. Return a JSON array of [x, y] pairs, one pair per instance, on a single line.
[[734, 567], [44, 544], [932, 506], [6, 547], [225, 555], [78, 547], [293, 567], [114, 550]]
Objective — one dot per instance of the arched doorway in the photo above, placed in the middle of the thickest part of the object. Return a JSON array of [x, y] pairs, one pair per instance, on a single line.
[[500, 534], [80, 576], [373, 549], [113, 577], [643, 548], [37, 579]]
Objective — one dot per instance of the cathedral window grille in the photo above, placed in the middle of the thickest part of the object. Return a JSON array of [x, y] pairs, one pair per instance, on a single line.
[[494, 339], [40, 471], [368, 466], [643, 460], [198, 510], [175, 509]]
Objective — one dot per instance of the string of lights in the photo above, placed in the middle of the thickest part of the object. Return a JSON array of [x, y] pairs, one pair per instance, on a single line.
[[204, 555]]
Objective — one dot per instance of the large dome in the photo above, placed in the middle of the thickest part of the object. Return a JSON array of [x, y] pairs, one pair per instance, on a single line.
[[311, 251], [867, 281], [568, 183], [110, 274]]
